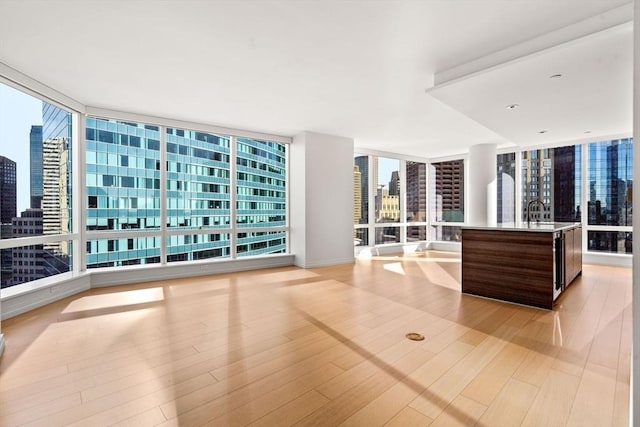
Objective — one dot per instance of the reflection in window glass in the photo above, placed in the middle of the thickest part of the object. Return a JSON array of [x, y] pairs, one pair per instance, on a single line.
[[260, 243], [610, 180], [35, 262], [197, 179], [416, 233], [446, 233], [261, 183], [387, 235], [553, 177], [361, 237], [361, 190], [122, 252], [35, 186], [192, 247], [610, 241], [124, 197], [387, 177], [506, 186], [447, 183]]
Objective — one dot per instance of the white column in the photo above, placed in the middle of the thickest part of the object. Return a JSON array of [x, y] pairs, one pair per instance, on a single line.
[[481, 203], [321, 204], [635, 359]]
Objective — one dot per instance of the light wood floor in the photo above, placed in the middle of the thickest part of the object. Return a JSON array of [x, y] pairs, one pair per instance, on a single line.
[[323, 346]]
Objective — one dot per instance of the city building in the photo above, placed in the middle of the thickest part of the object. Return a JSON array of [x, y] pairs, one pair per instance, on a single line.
[[394, 184], [416, 199], [8, 196], [448, 197], [362, 162], [357, 194], [35, 166], [123, 190], [28, 262], [387, 206]]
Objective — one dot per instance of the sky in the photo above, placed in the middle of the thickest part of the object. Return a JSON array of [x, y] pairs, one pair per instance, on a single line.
[[18, 112], [385, 167]]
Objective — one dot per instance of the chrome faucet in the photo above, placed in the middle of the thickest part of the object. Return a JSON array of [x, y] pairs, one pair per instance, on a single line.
[[529, 210]]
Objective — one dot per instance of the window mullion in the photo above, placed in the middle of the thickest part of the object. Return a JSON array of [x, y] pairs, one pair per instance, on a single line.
[[163, 195], [233, 237]]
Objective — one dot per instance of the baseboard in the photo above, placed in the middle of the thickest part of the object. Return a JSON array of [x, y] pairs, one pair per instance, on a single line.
[[18, 302], [324, 263], [108, 277], [614, 260], [22, 302]]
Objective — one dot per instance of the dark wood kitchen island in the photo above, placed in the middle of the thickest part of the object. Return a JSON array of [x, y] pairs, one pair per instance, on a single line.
[[529, 265]]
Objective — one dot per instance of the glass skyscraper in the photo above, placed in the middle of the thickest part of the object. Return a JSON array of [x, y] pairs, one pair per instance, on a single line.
[[124, 180], [35, 167], [610, 180]]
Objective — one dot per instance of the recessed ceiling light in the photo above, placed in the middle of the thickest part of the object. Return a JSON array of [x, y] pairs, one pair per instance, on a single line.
[[542, 131], [555, 76], [587, 131], [512, 106]]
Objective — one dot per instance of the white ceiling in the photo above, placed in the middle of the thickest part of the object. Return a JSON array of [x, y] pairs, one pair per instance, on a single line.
[[351, 68]]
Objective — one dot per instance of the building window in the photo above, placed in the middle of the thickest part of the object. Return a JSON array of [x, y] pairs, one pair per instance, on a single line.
[[386, 175], [261, 184], [447, 184], [114, 187], [193, 247], [198, 179], [563, 176]]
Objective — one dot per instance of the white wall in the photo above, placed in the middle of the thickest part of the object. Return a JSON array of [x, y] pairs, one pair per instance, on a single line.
[[634, 418], [321, 199]]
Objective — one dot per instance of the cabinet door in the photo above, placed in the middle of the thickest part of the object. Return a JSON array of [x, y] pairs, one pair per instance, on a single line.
[[568, 256], [577, 251]]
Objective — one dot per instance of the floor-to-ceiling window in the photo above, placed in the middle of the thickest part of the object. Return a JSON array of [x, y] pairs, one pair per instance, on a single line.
[[389, 200], [123, 193], [411, 201], [551, 185], [152, 194], [36, 215], [386, 177], [447, 200], [128, 213], [416, 200], [506, 188], [198, 195], [361, 199], [609, 197], [261, 197]]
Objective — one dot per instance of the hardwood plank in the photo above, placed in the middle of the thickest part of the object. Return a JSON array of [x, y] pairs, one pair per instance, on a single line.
[[409, 417], [461, 412], [553, 403], [293, 411], [510, 406], [488, 383], [593, 405]]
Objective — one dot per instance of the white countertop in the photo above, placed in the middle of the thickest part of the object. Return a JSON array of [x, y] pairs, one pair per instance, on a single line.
[[534, 226]]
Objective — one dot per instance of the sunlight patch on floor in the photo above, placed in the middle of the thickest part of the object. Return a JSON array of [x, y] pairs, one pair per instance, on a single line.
[[115, 299], [395, 267]]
